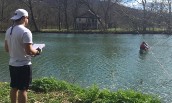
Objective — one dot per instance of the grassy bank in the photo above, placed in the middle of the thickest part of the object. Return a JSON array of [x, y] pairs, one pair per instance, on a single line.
[[50, 90], [109, 31]]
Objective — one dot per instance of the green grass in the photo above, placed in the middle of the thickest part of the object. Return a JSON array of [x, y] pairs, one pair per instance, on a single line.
[[4, 92], [110, 30], [51, 90]]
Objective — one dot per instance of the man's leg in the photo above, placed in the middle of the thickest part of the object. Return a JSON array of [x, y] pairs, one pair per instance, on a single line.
[[22, 96], [25, 78], [13, 95]]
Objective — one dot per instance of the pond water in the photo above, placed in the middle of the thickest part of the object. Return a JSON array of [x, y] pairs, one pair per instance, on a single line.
[[107, 60]]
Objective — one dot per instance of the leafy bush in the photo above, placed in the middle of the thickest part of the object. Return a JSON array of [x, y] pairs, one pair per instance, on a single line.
[[92, 94], [50, 90], [48, 85]]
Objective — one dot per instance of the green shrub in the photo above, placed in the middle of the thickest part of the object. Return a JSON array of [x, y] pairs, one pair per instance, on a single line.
[[94, 95], [48, 85], [91, 95]]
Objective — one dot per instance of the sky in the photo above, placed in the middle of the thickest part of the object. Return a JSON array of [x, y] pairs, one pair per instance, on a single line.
[[134, 3], [137, 3]]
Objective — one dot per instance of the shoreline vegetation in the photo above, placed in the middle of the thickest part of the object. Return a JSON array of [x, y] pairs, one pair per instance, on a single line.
[[51, 90], [110, 31]]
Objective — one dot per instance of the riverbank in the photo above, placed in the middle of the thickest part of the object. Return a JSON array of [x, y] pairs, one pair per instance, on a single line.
[[51, 90], [97, 32], [104, 32]]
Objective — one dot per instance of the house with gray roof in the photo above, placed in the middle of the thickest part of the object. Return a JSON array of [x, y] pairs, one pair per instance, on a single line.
[[87, 21]]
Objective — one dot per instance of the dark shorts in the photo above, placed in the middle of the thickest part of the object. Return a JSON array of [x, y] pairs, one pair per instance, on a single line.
[[21, 77]]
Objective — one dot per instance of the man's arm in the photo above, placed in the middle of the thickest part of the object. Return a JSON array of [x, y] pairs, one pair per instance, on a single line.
[[30, 50], [6, 46]]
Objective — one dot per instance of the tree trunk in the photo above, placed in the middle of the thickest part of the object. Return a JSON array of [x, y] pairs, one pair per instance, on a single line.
[[29, 5], [2, 9], [144, 22], [65, 3], [32, 16], [169, 17]]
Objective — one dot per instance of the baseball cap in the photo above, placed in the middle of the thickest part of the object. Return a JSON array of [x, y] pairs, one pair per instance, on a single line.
[[19, 13]]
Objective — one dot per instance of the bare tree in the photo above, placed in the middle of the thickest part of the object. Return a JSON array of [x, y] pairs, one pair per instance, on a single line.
[[169, 2], [144, 18], [65, 4], [158, 9], [29, 4], [107, 6], [6, 9], [144, 15], [75, 10], [88, 4], [58, 7], [3, 6], [62, 7]]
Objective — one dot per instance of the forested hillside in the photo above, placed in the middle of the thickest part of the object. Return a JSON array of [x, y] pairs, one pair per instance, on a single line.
[[60, 14]]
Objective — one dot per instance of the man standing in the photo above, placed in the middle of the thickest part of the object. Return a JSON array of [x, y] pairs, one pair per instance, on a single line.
[[18, 43]]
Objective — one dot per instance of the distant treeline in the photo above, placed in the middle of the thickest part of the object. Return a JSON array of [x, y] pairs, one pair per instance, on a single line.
[[60, 14]]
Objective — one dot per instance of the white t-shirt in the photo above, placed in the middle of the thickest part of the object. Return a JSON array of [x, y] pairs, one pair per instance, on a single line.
[[15, 41]]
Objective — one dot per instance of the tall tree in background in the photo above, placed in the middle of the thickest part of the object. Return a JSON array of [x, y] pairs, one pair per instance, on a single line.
[[29, 4], [144, 18], [75, 10], [3, 6], [58, 6], [144, 22], [62, 8], [88, 4], [169, 15], [6, 6], [107, 7], [159, 9], [65, 5]]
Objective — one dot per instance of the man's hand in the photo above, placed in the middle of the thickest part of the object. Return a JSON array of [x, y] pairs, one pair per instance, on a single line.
[[39, 51]]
